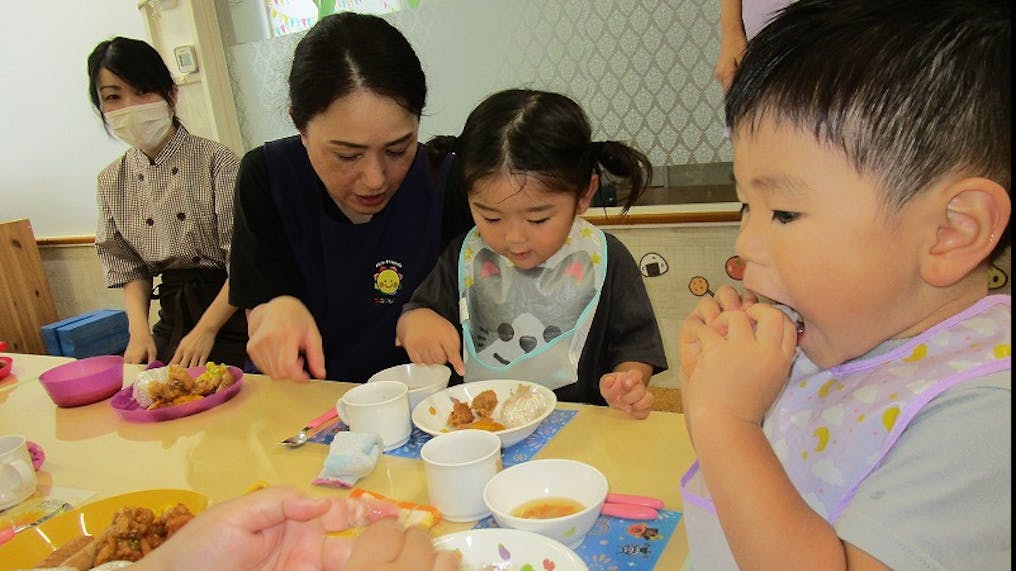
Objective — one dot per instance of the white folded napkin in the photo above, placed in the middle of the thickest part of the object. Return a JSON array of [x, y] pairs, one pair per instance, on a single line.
[[351, 456]]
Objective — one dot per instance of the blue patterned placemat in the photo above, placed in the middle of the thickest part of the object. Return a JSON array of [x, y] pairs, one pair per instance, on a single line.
[[512, 455], [614, 544]]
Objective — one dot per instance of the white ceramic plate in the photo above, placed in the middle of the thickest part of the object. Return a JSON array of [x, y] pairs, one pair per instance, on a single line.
[[509, 549], [431, 415]]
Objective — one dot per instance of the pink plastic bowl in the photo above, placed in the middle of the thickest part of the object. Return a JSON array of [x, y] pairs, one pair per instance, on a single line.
[[84, 381]]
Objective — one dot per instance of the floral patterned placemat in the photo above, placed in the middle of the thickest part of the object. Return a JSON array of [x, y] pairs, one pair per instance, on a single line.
[[614, 544], [512, 455]]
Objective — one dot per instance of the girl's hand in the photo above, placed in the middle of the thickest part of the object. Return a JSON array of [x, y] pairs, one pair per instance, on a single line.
[[194, 348], [283, 334], [430, 339], [626, 391], [140, 348], [744, 357]]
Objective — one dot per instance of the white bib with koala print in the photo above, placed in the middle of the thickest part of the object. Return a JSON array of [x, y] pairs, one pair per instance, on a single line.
[[530, 324]]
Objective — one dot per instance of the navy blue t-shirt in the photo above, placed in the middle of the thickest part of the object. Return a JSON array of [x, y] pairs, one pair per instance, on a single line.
[[291, 238]]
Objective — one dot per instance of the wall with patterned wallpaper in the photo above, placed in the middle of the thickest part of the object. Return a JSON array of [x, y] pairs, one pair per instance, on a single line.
[[642, 69]]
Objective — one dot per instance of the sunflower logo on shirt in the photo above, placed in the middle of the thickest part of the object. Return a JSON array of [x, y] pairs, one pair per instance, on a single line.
[[387, 281]]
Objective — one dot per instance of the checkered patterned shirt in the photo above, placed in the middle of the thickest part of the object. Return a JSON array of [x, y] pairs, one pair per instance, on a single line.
[[173, 213]]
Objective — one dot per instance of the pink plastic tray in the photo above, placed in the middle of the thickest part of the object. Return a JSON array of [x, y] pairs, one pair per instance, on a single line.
[[129, 408]]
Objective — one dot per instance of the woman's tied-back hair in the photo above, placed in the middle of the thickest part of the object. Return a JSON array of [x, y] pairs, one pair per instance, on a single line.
[[346, 52], [910, 90], [543, 135], [133, 61]]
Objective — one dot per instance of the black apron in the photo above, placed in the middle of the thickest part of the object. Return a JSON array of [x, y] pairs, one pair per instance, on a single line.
[[357, 276], [183, 296]]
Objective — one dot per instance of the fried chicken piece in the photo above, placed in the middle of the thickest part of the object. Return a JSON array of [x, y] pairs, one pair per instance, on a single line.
[[461, 414], [180, 380], [485, 403], [206, 384], [184, 399], [128, 538], [214, 379], [135, 532], [177, 385], [176, 517]]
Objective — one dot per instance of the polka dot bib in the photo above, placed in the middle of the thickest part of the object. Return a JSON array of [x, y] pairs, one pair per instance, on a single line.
[[832, 428]]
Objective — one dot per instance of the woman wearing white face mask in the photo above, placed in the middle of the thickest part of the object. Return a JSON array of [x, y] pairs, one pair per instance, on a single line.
[[165, 208]]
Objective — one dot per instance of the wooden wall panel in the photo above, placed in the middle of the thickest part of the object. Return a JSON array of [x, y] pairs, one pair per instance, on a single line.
[[26, 303]]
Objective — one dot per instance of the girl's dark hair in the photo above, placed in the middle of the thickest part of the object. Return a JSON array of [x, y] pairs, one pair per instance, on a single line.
[[909, 90], [347, 51], [133, 61], [543, 135]]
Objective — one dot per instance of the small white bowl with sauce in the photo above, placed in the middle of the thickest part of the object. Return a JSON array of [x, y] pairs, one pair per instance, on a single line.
[[556, 498]]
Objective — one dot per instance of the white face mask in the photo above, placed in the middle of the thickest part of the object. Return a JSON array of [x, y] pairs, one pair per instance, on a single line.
[[145, 126]]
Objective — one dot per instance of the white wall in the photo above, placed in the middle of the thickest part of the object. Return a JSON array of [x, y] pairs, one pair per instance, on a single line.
[[52, 145]]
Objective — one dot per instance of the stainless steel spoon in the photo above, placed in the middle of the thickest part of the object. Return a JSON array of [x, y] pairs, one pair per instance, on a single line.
[[300, 438]]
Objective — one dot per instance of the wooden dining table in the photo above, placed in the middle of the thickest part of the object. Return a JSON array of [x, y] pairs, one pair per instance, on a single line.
[[223, 451]]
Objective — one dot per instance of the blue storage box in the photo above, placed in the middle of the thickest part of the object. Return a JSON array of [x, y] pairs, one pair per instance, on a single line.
[[100, 332]]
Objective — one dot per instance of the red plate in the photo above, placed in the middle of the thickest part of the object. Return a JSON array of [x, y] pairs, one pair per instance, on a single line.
[[129, 408]]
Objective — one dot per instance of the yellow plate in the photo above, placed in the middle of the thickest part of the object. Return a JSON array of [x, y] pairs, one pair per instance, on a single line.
[[33, 545]]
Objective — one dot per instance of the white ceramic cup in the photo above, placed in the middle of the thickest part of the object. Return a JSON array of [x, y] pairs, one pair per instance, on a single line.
[[458, 465], [381, 408], [17, 475]]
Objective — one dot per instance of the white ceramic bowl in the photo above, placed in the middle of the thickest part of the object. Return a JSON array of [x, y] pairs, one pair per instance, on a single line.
[[431, 415], [509, 549], [552, 478], [422, 380]]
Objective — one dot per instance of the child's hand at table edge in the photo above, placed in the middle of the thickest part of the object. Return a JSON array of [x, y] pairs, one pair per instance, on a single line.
[[625, 389], [429, 339]]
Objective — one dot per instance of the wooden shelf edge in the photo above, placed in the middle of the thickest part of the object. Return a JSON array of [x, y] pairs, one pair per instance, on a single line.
[[598, 219], [65, 241], [661, 218]]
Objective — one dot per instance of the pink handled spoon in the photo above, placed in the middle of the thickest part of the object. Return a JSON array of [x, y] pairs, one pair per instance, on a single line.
[[300, 438]]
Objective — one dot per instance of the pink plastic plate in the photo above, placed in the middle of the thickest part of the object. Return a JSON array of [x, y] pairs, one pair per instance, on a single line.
[[6, 364], [129, 408]]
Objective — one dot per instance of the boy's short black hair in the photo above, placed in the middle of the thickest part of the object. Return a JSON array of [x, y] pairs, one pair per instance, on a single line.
[[909, 90]]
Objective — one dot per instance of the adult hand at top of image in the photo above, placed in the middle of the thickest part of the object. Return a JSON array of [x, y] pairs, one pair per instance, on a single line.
[[430, 339], [733, 41], [283, 334], [731, 51]]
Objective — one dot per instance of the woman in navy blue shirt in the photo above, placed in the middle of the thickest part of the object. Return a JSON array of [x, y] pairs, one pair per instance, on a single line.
[[336, 226]]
